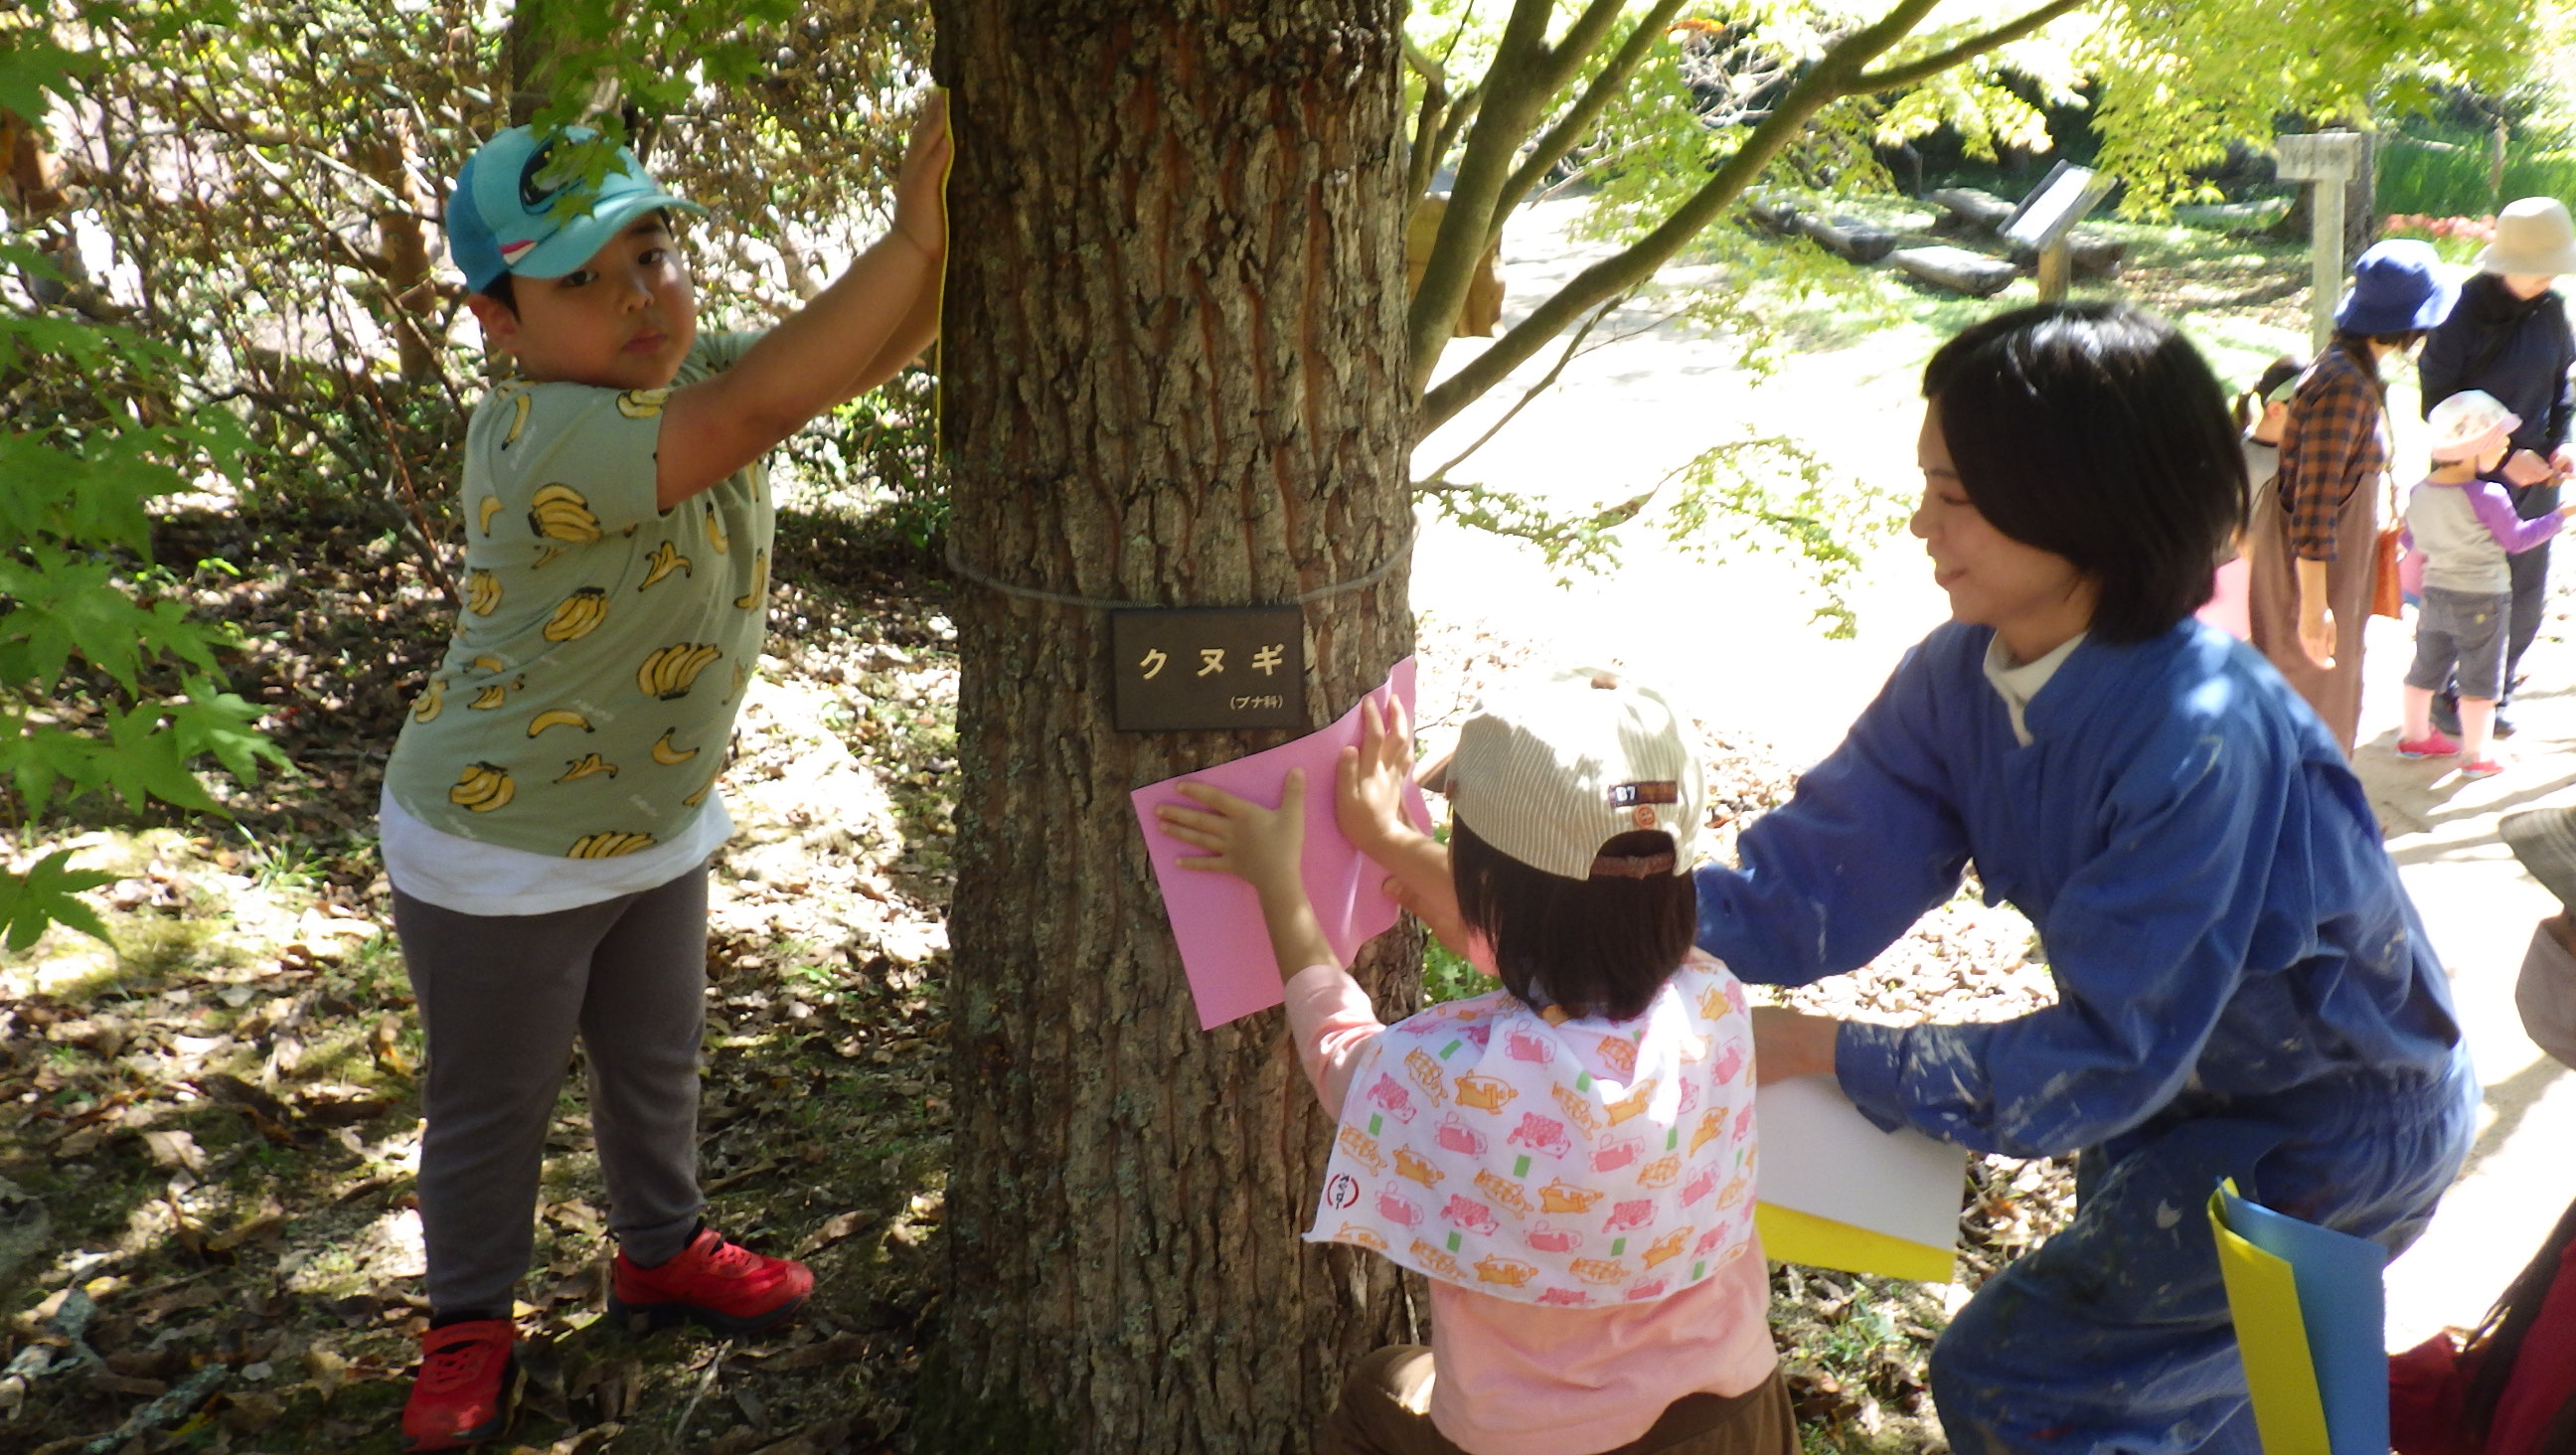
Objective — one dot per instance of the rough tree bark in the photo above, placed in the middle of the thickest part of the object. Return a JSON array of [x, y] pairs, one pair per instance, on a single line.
[[402, 240], [1173, 374]]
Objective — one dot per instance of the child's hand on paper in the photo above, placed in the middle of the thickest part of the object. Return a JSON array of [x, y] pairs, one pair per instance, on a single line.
[[1372, 790], [1370, 780], [1263, 847], [1788, 1043]]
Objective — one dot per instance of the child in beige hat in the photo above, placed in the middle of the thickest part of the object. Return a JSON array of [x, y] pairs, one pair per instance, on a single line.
[[1568, 1158]]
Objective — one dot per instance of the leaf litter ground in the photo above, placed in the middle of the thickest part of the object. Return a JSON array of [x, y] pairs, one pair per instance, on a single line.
[[208, 1237]]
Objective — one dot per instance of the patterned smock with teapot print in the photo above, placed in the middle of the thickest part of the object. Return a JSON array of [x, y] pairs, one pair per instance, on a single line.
[[1549, 1160]]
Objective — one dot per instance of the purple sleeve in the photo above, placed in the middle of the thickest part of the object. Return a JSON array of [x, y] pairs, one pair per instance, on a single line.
[[2511, 531]]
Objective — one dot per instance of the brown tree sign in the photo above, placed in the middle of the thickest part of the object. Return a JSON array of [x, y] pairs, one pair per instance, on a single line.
[[1174, 376]]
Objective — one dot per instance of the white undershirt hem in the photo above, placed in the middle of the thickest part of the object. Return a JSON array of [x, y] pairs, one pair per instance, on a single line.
[[468, 877]]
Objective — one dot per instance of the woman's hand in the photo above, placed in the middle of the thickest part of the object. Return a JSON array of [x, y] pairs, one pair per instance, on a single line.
[[2317, 637], [1370, 780], [1263, 847], [1788, 1043], [2316, 618]]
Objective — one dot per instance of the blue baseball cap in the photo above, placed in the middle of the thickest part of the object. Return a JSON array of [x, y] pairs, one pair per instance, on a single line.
[[509, 212], [2396, 286]]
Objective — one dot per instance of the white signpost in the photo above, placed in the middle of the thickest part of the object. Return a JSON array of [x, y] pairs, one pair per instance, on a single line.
[[2326, 161]]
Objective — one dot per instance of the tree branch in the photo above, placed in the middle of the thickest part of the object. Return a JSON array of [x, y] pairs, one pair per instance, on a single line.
[[1415, 56], [1582, 38], [1573, 348], [1579, 118], [1833, 77], [1504, 119], [1427, 128], [1461, 112], [1923, 67]]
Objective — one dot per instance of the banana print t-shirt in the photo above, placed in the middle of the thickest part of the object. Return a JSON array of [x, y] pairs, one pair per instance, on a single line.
[[584, 707]]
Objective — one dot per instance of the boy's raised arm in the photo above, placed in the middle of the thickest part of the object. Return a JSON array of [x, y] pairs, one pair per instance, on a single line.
[[921, 214], [851, 337]]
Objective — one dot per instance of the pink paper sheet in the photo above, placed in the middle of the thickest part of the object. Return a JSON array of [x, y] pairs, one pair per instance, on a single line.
[[1224, 946]]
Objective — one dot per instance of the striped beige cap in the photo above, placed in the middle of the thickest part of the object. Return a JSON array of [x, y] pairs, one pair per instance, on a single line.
[[1548, 771]]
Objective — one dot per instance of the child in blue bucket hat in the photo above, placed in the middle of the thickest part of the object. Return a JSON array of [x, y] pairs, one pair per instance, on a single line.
[[551, 806], [2316, 531]]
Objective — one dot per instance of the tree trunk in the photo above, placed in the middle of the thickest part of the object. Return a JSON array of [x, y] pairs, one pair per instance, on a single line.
[[402, 240], [1173, 374]]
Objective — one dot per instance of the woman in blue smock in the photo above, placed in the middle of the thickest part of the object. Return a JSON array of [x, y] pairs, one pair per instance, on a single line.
[[2243, 988]]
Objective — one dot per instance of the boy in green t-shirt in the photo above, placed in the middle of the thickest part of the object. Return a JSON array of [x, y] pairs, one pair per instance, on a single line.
[[549, 810]]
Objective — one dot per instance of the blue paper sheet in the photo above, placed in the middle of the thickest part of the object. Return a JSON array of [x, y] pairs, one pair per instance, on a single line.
[[2343, 1304]]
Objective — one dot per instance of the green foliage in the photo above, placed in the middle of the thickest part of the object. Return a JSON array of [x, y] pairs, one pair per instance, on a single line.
[[43, 896], [877, 456], [2177, 83], [1795, 502], [276, 219], [1446, 975], [1707, 101], [1764, 493], [2443, 169], [107, 685]]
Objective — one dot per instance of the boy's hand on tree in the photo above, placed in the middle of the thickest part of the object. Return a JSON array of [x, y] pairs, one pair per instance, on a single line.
[[1264, 847], [920, 201], [1368, 792]]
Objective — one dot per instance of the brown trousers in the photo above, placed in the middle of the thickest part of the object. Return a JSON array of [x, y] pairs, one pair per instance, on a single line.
[[1386, 1405], [2274, 604]]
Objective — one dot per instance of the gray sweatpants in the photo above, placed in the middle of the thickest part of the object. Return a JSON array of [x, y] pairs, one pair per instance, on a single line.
[[501, 998]]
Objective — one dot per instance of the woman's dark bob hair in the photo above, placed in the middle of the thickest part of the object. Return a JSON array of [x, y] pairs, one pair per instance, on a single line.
[[2096, 432], [1593, 947]]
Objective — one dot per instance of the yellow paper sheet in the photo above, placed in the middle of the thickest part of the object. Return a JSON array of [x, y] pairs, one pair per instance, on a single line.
[[1797, 1237], [2264, 1297]]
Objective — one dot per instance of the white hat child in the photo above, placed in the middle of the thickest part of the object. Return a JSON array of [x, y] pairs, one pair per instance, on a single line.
[[1548, 772], [2468, 426]]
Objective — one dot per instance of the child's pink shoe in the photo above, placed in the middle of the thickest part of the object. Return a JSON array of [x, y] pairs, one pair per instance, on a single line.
[[2482, 768], [2435, 744]]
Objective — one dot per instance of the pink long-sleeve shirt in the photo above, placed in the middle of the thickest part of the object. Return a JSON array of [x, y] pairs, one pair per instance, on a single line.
[[1520, 1379]]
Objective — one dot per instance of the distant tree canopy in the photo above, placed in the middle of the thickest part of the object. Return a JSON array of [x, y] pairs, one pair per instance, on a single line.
[[1676, 109]]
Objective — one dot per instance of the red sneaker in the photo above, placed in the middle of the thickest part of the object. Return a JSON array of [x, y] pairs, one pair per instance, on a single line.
[[2438, 745], [468, 1385], [730, 1289]]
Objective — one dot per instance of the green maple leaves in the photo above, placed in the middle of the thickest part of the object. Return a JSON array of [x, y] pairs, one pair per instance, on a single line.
[[45, 895], [80, 600]]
